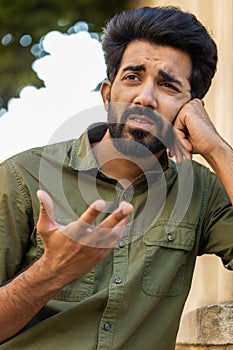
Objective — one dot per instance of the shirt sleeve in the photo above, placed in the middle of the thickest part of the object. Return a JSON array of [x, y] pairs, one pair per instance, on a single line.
[[14, 222], [218, 223]]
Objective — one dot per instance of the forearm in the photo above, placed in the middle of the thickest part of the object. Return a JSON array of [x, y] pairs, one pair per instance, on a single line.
[[23, 297], [221, 161]]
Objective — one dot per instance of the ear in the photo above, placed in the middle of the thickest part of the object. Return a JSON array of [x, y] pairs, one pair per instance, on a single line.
[[105, 92]]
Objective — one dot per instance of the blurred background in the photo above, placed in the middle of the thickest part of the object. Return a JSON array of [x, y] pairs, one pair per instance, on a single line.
[[51, 65], [23, 23]]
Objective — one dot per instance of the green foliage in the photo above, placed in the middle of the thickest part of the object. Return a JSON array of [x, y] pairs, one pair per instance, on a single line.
[[37, 18]]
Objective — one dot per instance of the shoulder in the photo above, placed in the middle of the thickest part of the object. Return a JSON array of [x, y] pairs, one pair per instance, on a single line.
[[210, 185], [33, 156], [202, 179], [25, 168]]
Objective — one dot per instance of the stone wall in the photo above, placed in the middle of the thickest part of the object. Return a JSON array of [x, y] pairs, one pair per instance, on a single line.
[[208, 326]]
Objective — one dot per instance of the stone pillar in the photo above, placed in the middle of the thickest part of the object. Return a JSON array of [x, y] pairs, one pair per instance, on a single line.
[[208, 327]]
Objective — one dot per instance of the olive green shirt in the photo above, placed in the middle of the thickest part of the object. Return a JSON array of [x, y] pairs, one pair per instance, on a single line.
[[134, 298]]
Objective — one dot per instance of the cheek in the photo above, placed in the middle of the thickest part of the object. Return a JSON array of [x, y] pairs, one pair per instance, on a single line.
[[120, 93], [168, 112], [121, 98], [169, 107], [114, 112]]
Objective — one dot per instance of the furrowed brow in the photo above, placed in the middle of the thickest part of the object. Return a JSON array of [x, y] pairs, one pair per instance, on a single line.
[[135, 68], [168, 77]]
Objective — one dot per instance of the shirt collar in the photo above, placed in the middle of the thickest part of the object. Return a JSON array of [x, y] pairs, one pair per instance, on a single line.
[[82, 157]]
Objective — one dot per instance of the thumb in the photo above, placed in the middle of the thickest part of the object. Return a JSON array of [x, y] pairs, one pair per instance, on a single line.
[[46, 220]]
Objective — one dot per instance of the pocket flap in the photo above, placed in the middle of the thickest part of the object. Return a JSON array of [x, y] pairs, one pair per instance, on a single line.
[[182, 237]]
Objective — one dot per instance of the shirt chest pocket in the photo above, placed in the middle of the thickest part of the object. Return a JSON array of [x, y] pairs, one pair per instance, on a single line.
[[166, 260]]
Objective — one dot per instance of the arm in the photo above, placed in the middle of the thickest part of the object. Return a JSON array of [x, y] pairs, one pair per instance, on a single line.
[[70, 252], [221, 161], [200, 136]]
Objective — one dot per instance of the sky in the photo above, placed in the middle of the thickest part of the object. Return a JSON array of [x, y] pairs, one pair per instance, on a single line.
[[66, 105]]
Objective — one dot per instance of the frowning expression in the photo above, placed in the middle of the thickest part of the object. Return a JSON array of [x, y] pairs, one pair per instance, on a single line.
[[151, 80]]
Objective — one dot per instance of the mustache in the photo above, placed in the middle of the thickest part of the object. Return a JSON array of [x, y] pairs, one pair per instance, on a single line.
[[165, 130], [142, 111]]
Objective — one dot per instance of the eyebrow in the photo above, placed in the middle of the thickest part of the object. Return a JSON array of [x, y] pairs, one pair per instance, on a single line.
[[162, 73], [135, 68], [168, 77]]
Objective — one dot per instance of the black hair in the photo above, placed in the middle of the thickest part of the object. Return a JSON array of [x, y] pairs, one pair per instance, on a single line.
[[166, 26]]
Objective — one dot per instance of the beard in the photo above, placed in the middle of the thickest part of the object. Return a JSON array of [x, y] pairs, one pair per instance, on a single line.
[[135, 142]]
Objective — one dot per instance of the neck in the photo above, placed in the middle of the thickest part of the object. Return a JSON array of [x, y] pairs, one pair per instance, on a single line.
[[118, 166]]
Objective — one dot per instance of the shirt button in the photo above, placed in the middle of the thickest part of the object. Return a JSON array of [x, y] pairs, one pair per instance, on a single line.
[[170, 237], [107, 326], [117, 280], [121, 244]]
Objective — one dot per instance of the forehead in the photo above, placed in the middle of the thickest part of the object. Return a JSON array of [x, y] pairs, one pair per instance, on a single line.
[[153, 56]]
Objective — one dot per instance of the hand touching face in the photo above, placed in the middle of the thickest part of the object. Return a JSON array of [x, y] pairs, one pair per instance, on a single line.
[[195, 128]]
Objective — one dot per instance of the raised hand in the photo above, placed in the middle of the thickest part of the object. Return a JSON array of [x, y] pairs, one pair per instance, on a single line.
[[74, 250]]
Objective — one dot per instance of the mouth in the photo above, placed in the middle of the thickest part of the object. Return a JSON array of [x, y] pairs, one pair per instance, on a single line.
[[140, 122]]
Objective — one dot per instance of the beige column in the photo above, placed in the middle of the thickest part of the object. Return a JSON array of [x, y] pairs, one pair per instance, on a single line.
[[212, 283]]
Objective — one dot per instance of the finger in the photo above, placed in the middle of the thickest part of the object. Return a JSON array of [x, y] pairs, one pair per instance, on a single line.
[[46, 216], [114, 221], [106, 237], [80, 230], [124, 209], [182, 149], [89, 216]]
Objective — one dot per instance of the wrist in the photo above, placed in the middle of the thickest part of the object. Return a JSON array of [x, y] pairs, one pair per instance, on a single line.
[[41, 276]]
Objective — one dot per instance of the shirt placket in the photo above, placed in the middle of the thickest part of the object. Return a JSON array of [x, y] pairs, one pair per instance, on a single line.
[[106, 332]]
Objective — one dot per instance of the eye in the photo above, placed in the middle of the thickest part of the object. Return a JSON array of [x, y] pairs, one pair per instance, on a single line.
[[169, 86], [131, 77]]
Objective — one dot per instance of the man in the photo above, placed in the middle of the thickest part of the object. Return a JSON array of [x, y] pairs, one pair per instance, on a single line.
[[118, 276]]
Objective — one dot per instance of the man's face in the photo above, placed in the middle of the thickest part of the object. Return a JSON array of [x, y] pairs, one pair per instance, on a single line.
[[151, 86]]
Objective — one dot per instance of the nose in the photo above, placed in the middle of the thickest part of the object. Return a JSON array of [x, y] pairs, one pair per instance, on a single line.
[[146, 96]]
